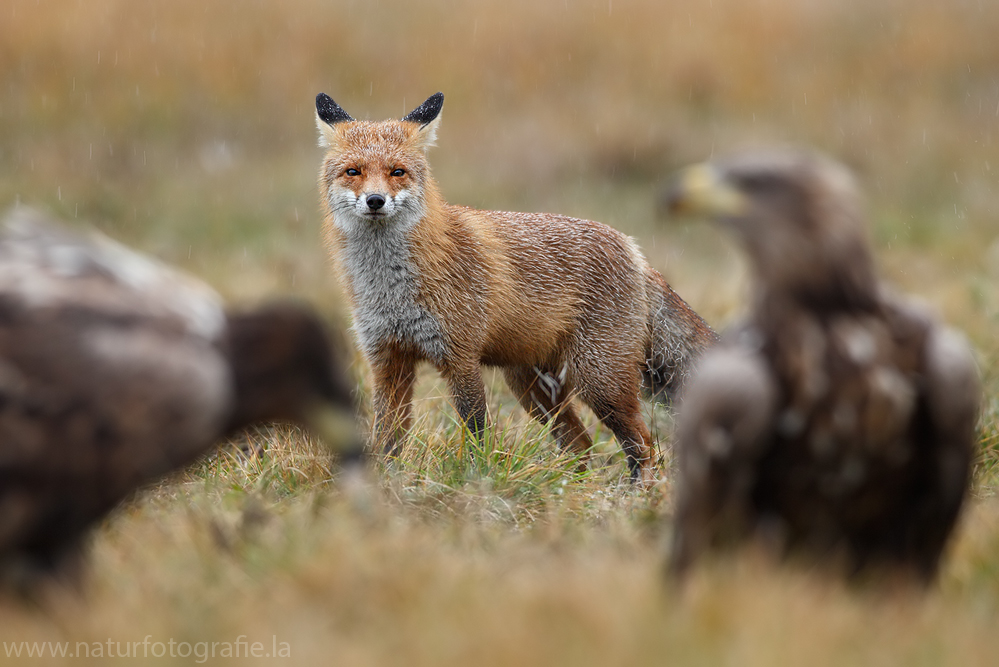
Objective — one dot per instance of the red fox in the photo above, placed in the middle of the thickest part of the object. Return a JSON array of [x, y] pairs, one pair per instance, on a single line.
[[565, 307]]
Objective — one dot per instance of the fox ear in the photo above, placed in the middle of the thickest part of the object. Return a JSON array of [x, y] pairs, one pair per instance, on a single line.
[[328, 114], [428, 116], [426, 112]]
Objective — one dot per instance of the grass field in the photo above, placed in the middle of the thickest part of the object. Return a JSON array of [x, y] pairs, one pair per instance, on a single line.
[[186, 129]]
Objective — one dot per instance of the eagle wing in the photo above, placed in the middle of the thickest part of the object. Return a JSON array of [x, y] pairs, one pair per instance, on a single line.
[[952, 394], [110, 373], [725, 422]]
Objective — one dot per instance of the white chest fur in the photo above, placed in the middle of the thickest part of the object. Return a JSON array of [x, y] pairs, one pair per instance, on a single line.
[[378, 265]]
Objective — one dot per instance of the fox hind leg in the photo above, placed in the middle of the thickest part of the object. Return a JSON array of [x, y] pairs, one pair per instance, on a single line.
[[546, 396], [620, 411]]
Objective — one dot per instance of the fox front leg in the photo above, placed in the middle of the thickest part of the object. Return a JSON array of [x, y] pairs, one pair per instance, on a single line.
[[469, 396], [394, 377]]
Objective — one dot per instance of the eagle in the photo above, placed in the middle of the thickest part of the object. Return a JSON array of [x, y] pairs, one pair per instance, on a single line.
[[116, 369], [836, 423]]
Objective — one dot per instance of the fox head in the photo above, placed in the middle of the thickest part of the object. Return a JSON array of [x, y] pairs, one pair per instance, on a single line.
[[375, 172]]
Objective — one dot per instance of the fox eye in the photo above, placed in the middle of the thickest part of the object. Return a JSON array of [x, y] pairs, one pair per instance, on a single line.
[[352, 172], [398, 172]]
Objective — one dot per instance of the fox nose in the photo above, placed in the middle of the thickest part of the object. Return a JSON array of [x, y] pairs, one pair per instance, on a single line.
[[375, 202]]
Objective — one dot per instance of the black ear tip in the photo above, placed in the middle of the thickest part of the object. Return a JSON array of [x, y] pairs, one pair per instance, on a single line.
[[329, 111], [427, 111], [435, 102]]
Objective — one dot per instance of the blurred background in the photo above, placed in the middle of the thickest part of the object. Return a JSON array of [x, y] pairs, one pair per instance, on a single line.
[[187, 128]]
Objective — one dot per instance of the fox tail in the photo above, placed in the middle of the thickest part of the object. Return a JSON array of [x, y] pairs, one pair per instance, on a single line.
[[677, 338]]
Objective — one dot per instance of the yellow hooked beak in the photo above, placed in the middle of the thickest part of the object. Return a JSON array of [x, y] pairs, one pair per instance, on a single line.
[[701, 190]]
